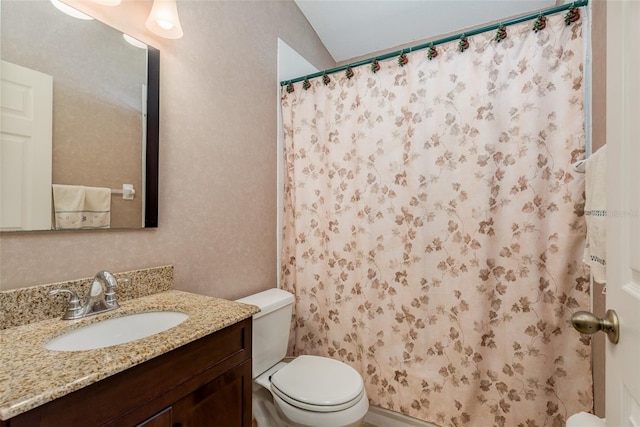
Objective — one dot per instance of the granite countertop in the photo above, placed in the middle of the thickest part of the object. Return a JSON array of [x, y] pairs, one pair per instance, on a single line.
[[31, 376]]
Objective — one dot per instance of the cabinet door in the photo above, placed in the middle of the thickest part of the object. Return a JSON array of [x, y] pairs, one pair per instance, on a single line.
[[223, 402]]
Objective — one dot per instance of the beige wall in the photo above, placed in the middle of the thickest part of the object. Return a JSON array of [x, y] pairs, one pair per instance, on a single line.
[[217, 213]]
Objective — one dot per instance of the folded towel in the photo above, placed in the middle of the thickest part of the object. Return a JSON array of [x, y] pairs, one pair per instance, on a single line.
[[97, 208], [78, 207], [595, 213], [68, 203]]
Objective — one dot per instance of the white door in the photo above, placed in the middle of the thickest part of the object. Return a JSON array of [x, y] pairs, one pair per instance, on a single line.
[[623, 203], [25, 148]]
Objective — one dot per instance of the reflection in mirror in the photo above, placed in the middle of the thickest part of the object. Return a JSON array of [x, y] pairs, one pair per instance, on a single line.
[[79, 108]]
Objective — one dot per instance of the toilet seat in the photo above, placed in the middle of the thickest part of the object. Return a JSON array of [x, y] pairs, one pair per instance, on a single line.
[[318, 384], [296, 417]]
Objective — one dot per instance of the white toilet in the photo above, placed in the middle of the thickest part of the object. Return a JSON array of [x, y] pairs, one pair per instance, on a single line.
[[309, 391]]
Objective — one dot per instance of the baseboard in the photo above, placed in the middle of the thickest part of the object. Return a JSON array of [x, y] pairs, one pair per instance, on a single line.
[[381, 417]]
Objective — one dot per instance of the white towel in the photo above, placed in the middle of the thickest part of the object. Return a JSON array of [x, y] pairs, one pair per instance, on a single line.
[[595, 213], [97, 207], [78, 207], [68, 203]]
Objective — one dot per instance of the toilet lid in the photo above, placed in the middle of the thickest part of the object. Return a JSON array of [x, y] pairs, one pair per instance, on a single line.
[[318, 383]]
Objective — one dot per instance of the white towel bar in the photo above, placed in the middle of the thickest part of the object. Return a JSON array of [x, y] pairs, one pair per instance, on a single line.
[[128, 192]]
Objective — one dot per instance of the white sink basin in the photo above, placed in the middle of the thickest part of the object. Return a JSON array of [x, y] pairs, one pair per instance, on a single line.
[[118, 330]]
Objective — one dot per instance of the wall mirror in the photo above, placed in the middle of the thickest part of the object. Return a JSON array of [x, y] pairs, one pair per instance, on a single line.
[[102, 124]]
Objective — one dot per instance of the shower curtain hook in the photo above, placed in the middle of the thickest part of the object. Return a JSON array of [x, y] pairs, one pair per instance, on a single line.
[[325, 78], [375, 65], [432, 52], [501, 34], [572, 15], [463, 44], [349, 72], [402, 59]]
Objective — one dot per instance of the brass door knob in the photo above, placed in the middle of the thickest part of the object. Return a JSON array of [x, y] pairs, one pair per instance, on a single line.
[[588, 323]]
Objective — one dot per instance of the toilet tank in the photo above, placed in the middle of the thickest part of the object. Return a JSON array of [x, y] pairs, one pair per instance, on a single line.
[[270, 327]]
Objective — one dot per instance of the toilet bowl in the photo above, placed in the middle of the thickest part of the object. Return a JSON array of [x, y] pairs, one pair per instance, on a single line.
[[585, 419], [308, 391]]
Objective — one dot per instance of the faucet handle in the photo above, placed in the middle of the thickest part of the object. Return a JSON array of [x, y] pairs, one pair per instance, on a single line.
[[74, 307]]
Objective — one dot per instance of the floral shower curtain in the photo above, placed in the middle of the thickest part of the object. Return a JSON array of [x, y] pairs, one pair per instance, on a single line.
[[433, 228]]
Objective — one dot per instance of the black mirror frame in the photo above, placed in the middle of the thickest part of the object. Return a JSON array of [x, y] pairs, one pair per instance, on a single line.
[[153, 138]]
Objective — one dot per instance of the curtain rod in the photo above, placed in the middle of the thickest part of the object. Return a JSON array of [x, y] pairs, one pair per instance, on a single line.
[[469, 33]]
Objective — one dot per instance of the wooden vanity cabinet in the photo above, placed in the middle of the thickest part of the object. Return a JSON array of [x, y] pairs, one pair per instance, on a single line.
[[203, 383], [217, 403]]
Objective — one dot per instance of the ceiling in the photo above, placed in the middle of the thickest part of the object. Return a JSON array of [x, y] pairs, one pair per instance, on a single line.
[[355, 28]]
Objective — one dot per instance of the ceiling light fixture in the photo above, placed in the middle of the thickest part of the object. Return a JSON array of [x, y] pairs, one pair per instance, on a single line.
[[65, 8], [163, 19]]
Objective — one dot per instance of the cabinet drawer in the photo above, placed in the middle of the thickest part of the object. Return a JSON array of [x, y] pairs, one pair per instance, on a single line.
[[225, 401]]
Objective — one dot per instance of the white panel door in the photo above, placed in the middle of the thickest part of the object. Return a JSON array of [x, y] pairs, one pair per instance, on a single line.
[[26, 104], [623, 200]]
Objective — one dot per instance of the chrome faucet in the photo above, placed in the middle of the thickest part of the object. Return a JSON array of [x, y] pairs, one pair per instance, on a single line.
[[100, 298]]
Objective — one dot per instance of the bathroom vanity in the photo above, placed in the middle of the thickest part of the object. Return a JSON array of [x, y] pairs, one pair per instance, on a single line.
[[197, 373]]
